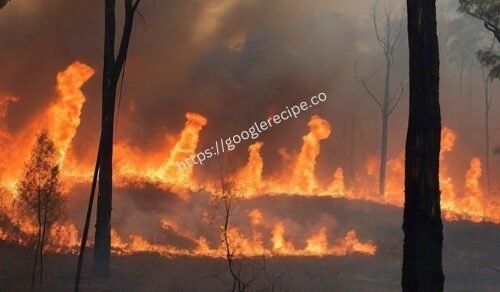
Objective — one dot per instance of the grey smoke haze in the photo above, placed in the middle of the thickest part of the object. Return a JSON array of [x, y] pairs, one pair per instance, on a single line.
[[234, 62]]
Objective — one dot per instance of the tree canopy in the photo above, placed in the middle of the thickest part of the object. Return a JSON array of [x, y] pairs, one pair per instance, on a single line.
[[3, 3], [488, 11], [40, 191]]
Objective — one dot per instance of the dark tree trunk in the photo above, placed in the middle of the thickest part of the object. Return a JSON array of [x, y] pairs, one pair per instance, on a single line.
[[42, 241], [111, 72], [39, 237], [87, 224], [103, 220], [423, 228]]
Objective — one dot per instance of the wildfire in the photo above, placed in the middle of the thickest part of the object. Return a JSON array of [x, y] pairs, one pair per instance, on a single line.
[[448, 196], [473, 201], [160, 167], [300, 178], [183, 149], [337, 187], [61, 118], [280, 245], [63, 115], [248, 245], [64, 238], [304, 178], [250, 177], [4, 102]]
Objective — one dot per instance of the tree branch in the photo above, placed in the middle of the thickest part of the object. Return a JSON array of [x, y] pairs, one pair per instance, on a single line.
[[372, 95], [398, 100], [382, 41], [398, 35], [493, 268], [490, 101], [130, 9], [136, 4]]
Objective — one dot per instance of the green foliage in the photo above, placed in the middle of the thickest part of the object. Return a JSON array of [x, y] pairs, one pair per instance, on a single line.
[[490, 60], [40, 195], [488, 11], [3, 3]]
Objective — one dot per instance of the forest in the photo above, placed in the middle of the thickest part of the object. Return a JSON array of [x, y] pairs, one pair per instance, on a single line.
[[249, 145]]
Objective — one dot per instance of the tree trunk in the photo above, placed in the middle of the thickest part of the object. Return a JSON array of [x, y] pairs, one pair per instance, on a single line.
[[111, 72], [33, 271], [87, 222], [39, 237], [423, 228], [44, 232], [469, 91], [383, 154], [102, 247], [385, 123], [461, 79], [487, 131], [352, 163]]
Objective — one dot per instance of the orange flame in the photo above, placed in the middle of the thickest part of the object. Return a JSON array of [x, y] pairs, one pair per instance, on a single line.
[[337, 187], [302, 179], [250, 177], [63, 115], [161, 167], [303, 176], [184, 148]]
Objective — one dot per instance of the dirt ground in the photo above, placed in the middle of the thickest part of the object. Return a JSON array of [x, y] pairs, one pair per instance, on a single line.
[[471, 261]]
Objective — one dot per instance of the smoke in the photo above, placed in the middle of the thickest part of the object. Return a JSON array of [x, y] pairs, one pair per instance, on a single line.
[[235, 63], [183, 58]]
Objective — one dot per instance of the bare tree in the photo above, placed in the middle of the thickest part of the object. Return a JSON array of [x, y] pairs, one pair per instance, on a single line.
[[227, 195], [246, 272], [388, 44], [112, 70], [422, 225], [40, 194]]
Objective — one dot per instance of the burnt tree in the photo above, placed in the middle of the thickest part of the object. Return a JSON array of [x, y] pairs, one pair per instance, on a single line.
[[112, 69], [423, 228], [388, 104]]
